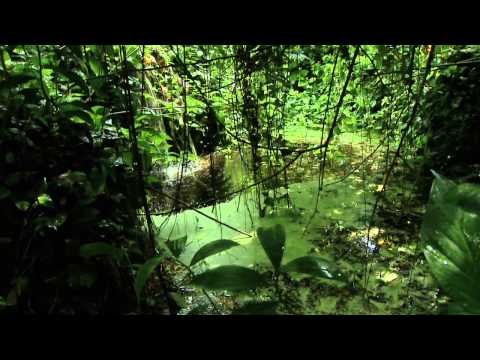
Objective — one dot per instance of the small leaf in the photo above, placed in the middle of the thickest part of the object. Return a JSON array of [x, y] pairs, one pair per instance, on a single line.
[[99, 249], [229, 277], [44, 199], [315, 266], [273, 242], [22, 205], [177, 246], [257, 308], [212, 248], [144, 273]]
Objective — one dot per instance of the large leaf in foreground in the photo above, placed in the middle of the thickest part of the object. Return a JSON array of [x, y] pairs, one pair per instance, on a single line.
[[451, 235], [315, 266], [273, 242], [229, 277], [212, 248], [144, 273]]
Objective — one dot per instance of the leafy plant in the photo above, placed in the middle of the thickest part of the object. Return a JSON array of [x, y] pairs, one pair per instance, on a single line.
[[273, 242], [451, 233], [144, 273], [241, 279]]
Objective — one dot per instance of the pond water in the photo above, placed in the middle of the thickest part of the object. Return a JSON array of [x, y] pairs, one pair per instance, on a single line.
[[345, 203], [397, 281]]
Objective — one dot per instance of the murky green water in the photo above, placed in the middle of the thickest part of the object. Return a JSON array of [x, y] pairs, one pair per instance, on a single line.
[[344, 203]]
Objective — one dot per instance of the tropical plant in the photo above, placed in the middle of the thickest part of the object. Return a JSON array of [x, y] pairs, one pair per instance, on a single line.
[[451, 234]]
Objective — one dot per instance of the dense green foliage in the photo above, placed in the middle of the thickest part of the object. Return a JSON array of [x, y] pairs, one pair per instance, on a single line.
[[303, 164], [451, 231]]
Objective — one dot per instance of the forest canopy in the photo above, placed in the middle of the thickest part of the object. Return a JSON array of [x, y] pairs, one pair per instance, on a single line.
[[239, 179]]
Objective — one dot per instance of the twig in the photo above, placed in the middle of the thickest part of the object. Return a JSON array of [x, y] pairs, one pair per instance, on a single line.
[[357, 167], [399, 148], [199, 212], [139, 167], [332, 128]]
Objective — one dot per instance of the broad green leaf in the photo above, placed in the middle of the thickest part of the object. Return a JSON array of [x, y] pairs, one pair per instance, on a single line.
[[80, 117], [212, 248], [177, 246], [99, 110], [451, 235], [315, 266], [97, 67], [99, 249], [257, 308], [469, 197], [144, 273], [45, 199], [229, 277], [273, 242]]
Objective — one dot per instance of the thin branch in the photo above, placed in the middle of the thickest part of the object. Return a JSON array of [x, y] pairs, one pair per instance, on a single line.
[[399, 148], [357, 167], [183, 203], [139, 167], [42, 84]]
